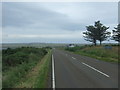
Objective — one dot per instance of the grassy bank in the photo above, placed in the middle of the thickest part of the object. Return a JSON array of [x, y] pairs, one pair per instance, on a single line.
[[37, 77], [98, 52], [17, 63], [42, 79]]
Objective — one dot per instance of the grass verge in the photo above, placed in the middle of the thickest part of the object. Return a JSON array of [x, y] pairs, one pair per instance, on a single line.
[[37, 77], [97, 52], [17, 63], [41, 80]]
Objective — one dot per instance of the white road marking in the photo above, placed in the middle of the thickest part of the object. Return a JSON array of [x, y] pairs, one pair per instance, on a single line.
[[73, 58], [53, 74], [95, 69]]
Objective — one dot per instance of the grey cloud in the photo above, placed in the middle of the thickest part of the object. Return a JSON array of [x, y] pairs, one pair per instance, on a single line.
[[119, 12], [27, 18], [17, 15]]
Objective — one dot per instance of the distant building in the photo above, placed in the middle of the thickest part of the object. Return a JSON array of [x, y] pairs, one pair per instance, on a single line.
[[71, 45]]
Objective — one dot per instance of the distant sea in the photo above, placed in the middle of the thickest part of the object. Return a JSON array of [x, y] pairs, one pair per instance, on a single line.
[[3, 48]]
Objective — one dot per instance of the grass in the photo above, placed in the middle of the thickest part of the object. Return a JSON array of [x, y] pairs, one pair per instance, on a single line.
[[98, 52], [17, 63], [37, 77], [41, 80], [14, 75]]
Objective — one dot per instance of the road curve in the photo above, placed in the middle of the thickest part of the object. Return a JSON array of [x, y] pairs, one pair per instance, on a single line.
[[76, 71]]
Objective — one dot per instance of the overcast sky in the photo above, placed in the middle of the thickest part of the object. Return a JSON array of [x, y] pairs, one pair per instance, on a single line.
[[54, 22]]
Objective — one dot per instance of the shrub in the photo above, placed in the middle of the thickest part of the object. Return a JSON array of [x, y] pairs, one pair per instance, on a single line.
[[17, 62]]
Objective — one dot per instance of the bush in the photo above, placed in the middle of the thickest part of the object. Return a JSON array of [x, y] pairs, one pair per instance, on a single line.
[[14, 57], [17, 62]]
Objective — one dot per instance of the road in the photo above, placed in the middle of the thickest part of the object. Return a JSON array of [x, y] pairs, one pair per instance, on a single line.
[[76, 71]]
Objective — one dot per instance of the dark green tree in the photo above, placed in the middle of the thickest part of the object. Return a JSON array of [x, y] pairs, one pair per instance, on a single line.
[[116, 33], [101, 32], [90, 34], [97, 32]]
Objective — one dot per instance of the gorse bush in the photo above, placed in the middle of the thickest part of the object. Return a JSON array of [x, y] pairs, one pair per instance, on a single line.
[[17, 62], [14, 57]]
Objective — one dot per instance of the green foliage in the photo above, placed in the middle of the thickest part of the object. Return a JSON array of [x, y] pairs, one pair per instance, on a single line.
[[17, 62], [14, 57], [48, 47], [116, 34], [90, 34], [13, 76], [98, 52], [97, 32], [102, 33], [43, 73]]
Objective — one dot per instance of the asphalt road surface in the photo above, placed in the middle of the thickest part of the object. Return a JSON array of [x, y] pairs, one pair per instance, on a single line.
[[75, 71]]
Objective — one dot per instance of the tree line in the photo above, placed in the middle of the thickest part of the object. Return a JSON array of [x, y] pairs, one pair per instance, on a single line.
[[99, 32]]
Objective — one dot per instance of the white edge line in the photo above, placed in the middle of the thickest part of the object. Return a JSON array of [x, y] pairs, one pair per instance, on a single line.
[[53, 74], [95, 69]]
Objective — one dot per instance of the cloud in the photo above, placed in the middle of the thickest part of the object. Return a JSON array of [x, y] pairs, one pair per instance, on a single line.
[[21, 16], [65, 36], [119, 12], [28, 22]]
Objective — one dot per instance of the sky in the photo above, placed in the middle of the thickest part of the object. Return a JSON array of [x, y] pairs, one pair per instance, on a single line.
[[50, 22]]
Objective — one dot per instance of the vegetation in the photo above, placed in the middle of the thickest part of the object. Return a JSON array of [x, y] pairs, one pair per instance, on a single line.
[[38, 76], [97, 32], [18, 62], [42, 79], [105, 52], [90, 34], [116, 33]]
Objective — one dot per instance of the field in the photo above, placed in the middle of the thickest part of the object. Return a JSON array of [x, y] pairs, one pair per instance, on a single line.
[[98, 52], [22, 65]]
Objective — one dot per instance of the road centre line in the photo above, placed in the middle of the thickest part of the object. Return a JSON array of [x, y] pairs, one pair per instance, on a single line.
[[95, 69], [53, 73]]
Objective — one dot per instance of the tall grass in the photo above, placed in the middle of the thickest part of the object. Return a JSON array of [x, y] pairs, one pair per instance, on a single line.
[[98, 52], [42, 78], [37, 77], [18, 62]]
